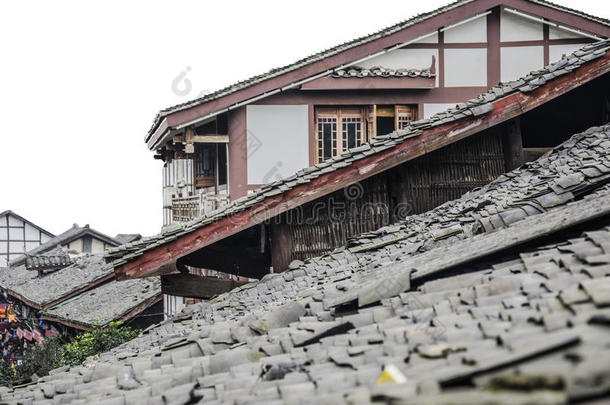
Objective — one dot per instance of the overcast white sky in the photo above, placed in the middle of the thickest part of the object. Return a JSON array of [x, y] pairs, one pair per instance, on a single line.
[[80, 83]]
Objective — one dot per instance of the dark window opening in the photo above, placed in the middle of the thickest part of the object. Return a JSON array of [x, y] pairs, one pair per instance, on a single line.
[[385, 125], [559, 119], [211, 166], [218, 126], [327, 137], [87, 242]]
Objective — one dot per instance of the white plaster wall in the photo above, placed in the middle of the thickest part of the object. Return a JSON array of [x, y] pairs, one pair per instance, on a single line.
[[405, 58], [31, 233], [13, 221], [556, 51], [558, 33], [431, 109], [76, 245], [465, 67], [517, 61], [472, 31], [516, 28], [278, 141], [97, 246]]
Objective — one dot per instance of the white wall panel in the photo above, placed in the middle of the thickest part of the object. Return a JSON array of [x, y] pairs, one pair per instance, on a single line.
[[12, 221], [3, 233], [3, 261], [44, 238], [15, 233], [557, 51], [31, 245], [516, 28], [431, 109], [558, 33], [465, 67], [405, 58], [16, 247], [473, 31], [278, 141], [31, 233], [517, 61]]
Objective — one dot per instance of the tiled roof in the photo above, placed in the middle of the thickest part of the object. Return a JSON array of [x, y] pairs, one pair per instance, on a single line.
[[43, 262], [448, 321], [109, 302], [474, 107], [380, 71], [343, 47], [60, 240], [42, 290]]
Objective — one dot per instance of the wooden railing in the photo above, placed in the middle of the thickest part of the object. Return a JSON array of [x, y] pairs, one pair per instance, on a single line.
[[185, 209]]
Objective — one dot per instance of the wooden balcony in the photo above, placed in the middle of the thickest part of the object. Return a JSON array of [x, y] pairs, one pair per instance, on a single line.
[[185, 209]]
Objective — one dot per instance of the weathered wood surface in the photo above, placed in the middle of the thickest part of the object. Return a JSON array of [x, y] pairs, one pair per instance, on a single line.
[[192, 286]]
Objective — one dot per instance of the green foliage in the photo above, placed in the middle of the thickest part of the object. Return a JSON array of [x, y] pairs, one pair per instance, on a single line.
[[53, 353], [7, 373], [41, 358], [98, 341]]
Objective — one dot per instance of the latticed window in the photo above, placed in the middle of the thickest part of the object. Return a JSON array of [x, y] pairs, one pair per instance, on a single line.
[[339, 129], [327, 137], [351, 132], [404, 115]]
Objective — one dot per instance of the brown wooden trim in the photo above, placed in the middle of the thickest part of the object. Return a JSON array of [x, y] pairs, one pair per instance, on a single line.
[[441, 59], [70, 324], [151, 261], [545, 40], [493, 51], [369, 83]]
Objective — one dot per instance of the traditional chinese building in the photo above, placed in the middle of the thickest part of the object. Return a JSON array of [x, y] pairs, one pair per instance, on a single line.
[[219, 147], [18, 235]]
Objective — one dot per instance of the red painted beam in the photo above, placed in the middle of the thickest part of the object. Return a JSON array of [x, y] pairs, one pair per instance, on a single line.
[[161, 260]]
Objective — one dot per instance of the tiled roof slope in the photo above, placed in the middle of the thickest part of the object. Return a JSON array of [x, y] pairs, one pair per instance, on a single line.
[[343, 47], [45, 289], [380, 71], [477, 106], [109, 302], [71, 234], [529, 328]]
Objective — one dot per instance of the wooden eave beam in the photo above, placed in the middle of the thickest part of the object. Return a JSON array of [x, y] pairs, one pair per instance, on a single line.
[[74, 325], [193, 286], [153, 262], [433, 23]]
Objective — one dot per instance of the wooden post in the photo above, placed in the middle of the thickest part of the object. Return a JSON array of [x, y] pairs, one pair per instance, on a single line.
[[513, 144], [281, 247]]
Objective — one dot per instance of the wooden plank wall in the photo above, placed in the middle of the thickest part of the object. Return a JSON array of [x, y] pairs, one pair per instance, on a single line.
[[414, 187]]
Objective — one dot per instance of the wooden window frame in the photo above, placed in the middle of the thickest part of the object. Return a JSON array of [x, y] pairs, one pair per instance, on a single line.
[[402, 114]]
